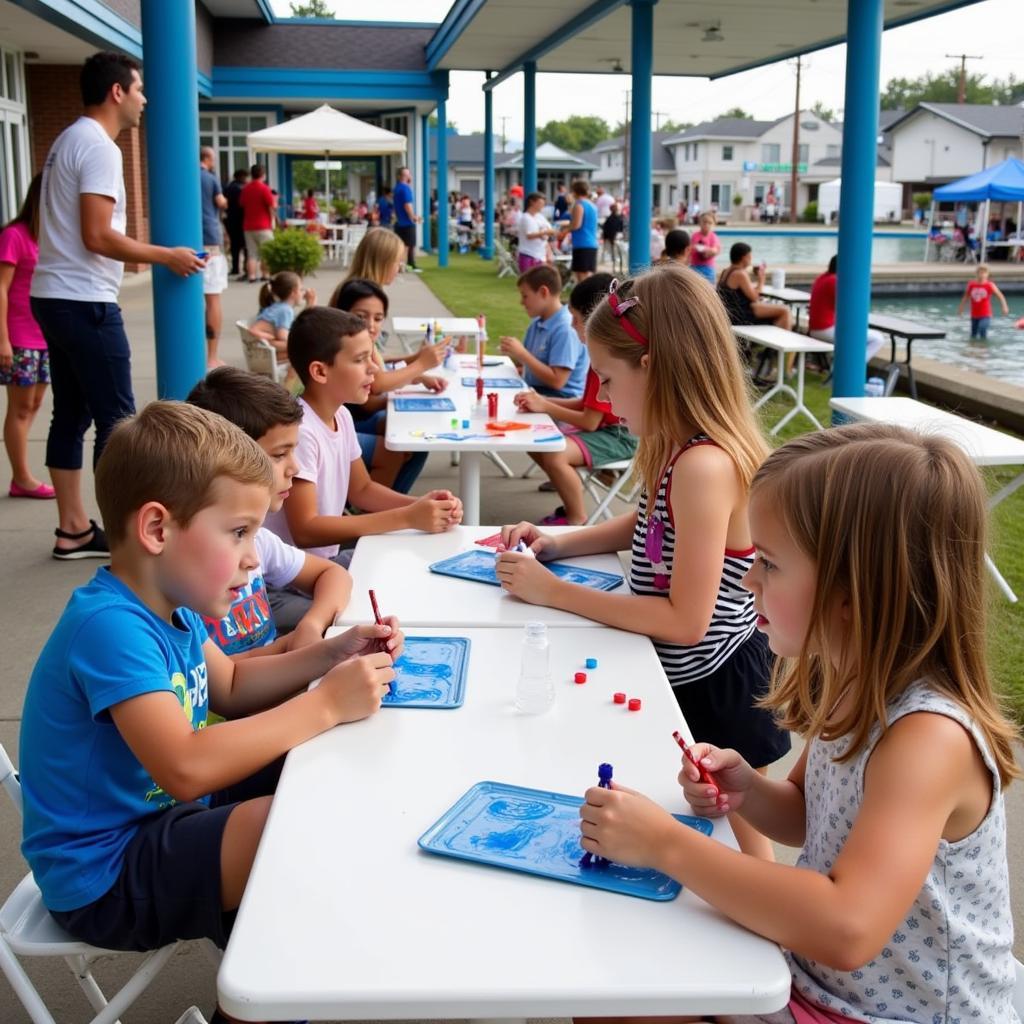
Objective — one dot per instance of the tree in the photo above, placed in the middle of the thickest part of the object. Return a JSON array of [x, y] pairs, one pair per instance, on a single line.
[[432, 122], [576, 133], [676, 126], [905, 93], [311, 9], [738, 112], [825, 113]]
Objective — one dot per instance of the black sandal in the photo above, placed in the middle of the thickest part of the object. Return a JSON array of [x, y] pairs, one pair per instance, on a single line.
[[95, 547]]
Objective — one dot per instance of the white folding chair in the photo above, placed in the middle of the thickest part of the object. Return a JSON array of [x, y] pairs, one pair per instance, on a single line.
[[350, 239], [260, 355], [605, 493], [506, 264], [1018, 989], [28, 930]]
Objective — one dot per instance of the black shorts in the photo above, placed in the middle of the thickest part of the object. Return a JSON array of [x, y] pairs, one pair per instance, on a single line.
[[584, 260], [720, 709], [407, 233], [169, 885]]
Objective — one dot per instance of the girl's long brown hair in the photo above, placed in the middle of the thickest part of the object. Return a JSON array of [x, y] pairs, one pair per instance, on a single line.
[[895, 521], [694, 378], [29, 212]]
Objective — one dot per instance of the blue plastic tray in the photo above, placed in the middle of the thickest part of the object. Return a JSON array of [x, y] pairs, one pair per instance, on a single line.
[[478, 566], [537, 832], [424, 405], [494, 382], [431, 673]]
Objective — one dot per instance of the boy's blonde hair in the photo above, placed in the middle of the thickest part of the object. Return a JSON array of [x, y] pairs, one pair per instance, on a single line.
[[695, 380], [378, 251], [895, 522], [172, 453]]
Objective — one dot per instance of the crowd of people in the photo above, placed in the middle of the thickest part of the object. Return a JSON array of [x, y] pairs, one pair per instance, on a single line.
[[757, 574]]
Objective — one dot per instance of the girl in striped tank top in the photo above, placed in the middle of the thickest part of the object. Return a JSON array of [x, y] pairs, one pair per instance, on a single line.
[[870, 579], [663, 350]]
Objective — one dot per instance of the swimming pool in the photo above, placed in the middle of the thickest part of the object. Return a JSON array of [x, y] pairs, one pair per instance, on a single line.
[[816, 248]]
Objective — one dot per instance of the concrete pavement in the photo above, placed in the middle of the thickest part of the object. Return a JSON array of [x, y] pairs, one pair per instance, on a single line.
[[38, 587]]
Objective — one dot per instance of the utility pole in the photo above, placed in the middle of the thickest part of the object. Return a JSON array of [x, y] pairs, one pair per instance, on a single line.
[[961, 92], [503, 120], [658, 115], [795, 158], [625, 149]]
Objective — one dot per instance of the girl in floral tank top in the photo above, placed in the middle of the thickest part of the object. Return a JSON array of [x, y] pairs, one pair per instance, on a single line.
[[870, 580]]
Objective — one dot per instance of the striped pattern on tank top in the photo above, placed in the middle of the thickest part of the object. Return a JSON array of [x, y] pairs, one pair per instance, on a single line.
[[733, 620]]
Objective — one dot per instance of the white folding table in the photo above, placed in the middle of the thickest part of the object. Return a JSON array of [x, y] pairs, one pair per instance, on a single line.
[[345, 918], [395, 566], [792, 297], [985, 446], [785, 341], [425, 431], [411, 330]]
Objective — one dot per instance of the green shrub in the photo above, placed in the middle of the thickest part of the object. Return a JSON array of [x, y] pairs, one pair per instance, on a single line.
[[737, 200], [292, 249], [342, 208], [811, 211], [922, 200]]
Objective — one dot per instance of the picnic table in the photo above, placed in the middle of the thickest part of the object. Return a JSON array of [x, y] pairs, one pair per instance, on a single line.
[[425, 598], [985, 446], [783, 341], [792, 297], [897, 327], [344, 917]]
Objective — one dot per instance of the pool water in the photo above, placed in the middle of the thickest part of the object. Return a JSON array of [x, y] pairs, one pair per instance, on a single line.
[[816, 250], [1002, 356]]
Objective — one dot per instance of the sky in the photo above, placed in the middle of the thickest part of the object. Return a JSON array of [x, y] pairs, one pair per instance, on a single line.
[[993, 29]]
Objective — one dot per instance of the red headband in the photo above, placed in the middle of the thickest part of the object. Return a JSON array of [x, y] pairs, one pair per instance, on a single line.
[[620, 307]]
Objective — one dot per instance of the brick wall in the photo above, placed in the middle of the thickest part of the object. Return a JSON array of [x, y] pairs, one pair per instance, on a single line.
[[53, 103]]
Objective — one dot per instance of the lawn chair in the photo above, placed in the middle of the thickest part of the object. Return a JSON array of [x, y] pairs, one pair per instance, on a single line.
[[260, 355], [350, 239], [28, 930], [605, 493], [506, 264]]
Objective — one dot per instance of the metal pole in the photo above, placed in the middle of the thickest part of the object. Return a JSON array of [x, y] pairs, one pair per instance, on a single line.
[[640, 182], [487, 252], [442, 181], [172, 127], [425, 130], [795, 156], [529, 128], [857, 199], [984, 229], [928, 233]]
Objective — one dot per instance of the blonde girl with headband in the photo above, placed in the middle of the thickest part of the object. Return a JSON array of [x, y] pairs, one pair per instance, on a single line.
[[667, 362], [870, 581]]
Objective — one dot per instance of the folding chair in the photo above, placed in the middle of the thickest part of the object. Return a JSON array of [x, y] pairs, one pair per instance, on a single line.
[[605, 493], [506, 264], [260, 355], [28, 930], [1018, 989], [352, 236]]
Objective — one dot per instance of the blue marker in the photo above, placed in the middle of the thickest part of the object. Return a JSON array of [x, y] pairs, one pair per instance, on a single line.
[[604, 780], [202, 255]]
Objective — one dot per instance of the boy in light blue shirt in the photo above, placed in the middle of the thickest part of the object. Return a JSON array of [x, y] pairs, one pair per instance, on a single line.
[[141, 820], [553, 359]]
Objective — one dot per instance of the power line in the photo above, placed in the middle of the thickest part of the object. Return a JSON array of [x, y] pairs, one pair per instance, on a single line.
[[961, 93]]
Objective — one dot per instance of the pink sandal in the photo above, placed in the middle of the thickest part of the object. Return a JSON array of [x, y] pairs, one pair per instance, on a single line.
[[42, 491]]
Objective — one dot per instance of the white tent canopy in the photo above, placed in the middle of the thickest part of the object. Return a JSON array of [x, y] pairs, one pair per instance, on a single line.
[[326, 132]]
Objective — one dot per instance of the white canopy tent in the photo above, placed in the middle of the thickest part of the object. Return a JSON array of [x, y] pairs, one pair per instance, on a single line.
[[326, 132]]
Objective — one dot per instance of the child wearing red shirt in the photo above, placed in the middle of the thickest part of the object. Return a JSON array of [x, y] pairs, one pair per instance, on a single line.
[[979, 293], [598, 437]]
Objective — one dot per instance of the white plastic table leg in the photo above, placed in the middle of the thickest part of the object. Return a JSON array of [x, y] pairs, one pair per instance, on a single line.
[[469, 487]]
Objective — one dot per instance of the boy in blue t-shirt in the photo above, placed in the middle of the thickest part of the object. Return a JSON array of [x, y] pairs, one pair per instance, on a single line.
[[127, 845], [553, 359], [275, 598]]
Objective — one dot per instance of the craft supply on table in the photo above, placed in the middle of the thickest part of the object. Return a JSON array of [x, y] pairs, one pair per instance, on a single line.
[[479, 567], [634, 704], [506, 425], [705, 776], [619, 698], [511, 383], [591, 663], [494, 541], [381, 645], [423, 405], [431, 673], [604, 780], [492, 404], [535, 692], [580, 677], [538, 832]]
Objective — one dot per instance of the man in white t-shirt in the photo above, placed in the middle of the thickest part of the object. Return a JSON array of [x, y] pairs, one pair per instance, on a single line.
[[82, 252], [534, 231], [603, 201]]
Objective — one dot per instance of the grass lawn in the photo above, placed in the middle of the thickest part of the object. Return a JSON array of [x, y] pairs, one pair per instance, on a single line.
[[470, 286]]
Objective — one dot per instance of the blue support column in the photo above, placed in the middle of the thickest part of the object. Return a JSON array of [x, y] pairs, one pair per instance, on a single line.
[[487, 252], [287, 197], [640, 141], [442, 181], [857, 200], [425, 204], [172, 158], [529, 128]]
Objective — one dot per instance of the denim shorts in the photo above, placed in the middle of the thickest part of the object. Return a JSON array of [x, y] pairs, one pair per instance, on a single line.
[[979, 326]]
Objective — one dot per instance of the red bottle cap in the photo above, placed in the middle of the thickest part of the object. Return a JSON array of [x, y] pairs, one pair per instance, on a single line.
[[619, 698], [580, 677], [634, 703]]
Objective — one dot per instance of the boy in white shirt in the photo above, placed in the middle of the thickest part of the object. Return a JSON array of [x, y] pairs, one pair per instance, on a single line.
[[534, 232], [275, 598]]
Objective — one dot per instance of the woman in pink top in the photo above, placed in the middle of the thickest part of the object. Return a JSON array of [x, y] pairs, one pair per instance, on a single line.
[[24, 361], [704, 247]]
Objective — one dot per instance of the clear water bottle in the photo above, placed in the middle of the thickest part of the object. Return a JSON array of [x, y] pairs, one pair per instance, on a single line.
[[535, 692], [875, 388]]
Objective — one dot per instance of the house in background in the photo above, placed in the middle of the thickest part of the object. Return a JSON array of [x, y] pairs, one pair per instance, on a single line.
[[936, 143], [611, 171]]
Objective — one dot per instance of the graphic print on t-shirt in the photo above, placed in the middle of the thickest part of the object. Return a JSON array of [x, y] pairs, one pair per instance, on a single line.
[[248, 623]]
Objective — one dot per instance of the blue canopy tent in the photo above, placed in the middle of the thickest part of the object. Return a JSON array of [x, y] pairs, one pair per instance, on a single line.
[[1004, 183]]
